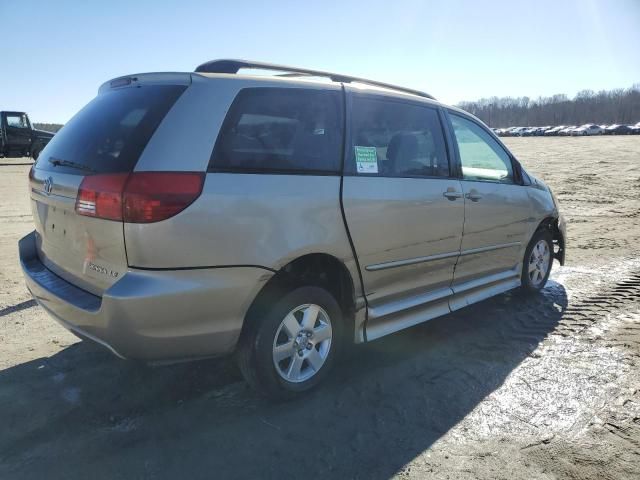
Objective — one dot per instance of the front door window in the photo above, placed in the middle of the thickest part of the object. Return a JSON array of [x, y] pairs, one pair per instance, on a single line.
[[482, 158], [17, 121]]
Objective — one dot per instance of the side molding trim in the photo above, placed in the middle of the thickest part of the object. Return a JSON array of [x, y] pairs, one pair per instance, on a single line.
[[410, 261], [440, 256]]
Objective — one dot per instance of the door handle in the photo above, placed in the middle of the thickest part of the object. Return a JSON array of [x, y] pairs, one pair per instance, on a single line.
[[452, 195], [473, 196]]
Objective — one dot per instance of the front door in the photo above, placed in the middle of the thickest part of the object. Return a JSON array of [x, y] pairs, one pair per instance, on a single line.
[[403, 209], [18, 131], [497, 209]]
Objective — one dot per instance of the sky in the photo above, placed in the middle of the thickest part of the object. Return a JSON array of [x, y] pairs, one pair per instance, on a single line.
[[55, 54]]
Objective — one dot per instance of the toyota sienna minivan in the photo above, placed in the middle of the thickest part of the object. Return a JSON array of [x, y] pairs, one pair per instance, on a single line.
[[278, 217]]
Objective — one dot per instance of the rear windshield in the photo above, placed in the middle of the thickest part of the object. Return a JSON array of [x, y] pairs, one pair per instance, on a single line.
[[110, 133]]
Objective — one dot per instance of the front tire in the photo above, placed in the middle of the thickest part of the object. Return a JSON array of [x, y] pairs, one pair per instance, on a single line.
[[291, 346], [538, 259]]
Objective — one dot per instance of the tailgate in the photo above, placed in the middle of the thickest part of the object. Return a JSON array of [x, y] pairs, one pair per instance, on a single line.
[[104, 140], [88, 252]]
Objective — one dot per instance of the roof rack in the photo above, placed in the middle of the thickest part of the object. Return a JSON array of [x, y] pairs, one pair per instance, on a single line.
[[232, 66]]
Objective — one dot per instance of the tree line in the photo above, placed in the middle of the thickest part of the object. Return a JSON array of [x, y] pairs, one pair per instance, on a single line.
[[48, 127], [604, 107]]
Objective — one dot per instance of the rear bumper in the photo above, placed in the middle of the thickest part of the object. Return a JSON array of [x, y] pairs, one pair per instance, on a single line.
[[151, 315]]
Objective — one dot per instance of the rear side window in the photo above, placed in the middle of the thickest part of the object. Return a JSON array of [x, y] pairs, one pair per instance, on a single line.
[[397, 139], [109, 134], [281, 130]]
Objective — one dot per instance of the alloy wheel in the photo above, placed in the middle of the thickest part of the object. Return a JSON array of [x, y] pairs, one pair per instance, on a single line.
[[539, 262], [302, 343]]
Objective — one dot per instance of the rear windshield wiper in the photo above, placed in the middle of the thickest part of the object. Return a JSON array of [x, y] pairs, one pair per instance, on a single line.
[[68, 163]]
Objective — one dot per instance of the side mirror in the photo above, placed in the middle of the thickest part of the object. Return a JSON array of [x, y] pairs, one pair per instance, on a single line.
[[517, 171], [522, 174]]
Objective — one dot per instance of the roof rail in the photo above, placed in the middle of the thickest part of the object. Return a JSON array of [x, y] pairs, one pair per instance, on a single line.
[[232, 66]]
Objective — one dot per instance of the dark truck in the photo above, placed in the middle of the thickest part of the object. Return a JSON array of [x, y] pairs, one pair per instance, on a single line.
[[18, 138]]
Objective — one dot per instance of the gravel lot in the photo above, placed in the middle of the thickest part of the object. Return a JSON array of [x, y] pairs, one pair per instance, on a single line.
[[537, 388]]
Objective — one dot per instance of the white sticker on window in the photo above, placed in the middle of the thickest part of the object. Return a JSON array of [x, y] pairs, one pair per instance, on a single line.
[[366, 159]]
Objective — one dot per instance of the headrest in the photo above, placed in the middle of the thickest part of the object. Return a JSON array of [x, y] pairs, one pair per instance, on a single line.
[[403, 147]]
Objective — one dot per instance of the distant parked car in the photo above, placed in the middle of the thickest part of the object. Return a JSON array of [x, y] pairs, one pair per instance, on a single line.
[[618, 130], [635, 129], [535, 131], [588, 129], [552, 132], [519, 131], [567, 130]]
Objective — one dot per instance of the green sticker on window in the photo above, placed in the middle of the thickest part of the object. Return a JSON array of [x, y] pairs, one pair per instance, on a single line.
[[366, 159]]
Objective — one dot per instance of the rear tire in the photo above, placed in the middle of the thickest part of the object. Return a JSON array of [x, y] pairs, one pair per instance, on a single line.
[[538, 259], [290, 346]]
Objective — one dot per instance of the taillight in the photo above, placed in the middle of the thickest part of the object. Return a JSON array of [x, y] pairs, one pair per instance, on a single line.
[[154, 196], [101, 196], [139, 197]]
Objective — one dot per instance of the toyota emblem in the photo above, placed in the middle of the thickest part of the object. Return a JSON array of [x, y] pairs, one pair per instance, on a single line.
[[48, 185]]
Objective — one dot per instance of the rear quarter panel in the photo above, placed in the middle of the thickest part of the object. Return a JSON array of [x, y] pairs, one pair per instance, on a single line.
[[240, 219], [247, 219]]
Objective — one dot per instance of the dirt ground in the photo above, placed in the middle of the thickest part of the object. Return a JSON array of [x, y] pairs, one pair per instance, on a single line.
[[530, 388]]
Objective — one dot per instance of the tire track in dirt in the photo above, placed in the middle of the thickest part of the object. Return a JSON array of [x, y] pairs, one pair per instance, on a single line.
[[534, 319], [614, 431]]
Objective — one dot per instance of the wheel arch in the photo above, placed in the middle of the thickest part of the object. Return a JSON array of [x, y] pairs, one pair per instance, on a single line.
[[552, 224], [318, 269]]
